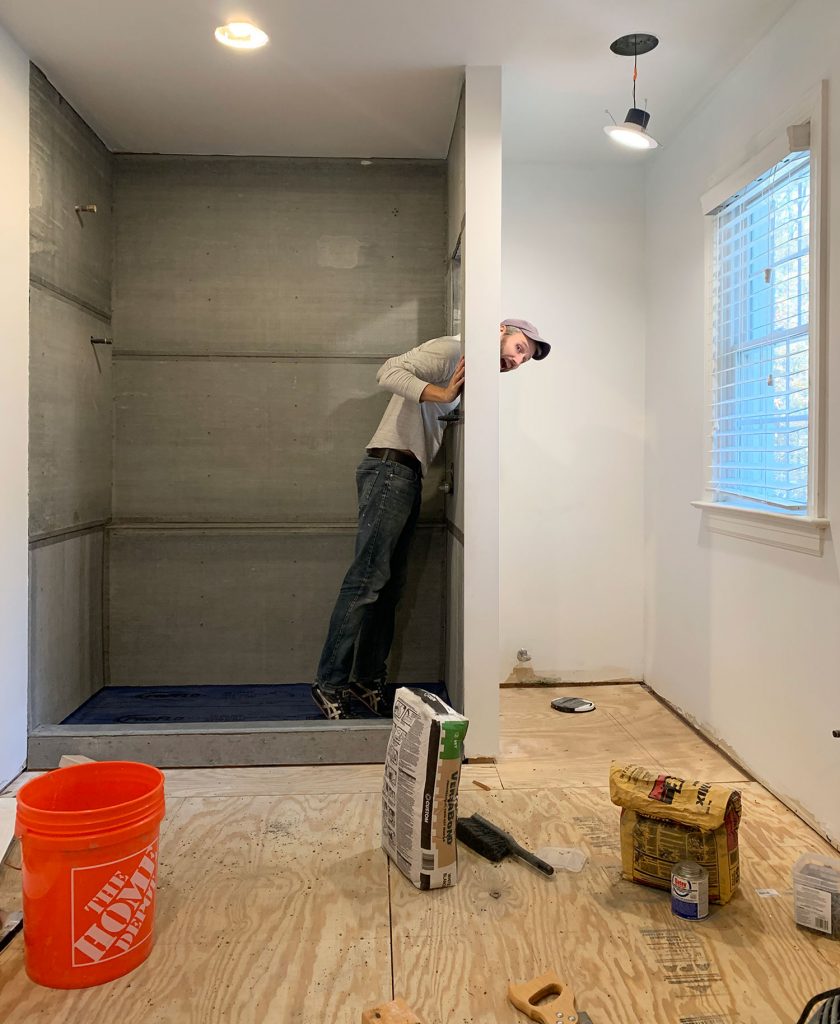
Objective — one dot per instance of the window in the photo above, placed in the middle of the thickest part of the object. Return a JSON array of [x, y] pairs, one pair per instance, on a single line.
[[765, 338], [760, 342]]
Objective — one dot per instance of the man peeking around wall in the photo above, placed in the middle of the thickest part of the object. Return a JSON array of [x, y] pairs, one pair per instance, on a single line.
[[426, 383]]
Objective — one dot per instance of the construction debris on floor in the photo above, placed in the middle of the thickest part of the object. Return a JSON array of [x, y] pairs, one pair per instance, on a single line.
[[420, 788], [271, 900], [395, 1012], [11, 922], [666, 820], [89, 843], [495, 844], [816, 893], [532, 998]]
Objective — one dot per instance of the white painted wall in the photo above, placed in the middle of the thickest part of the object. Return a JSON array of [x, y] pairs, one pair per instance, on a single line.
[[453, 439], [743, 637], [14, 403], [482, 276], [572, 426]]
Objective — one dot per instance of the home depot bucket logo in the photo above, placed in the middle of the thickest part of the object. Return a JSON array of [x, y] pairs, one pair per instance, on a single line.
[[113, 906]]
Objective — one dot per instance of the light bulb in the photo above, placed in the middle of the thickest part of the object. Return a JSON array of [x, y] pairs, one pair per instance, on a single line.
[[241, 35], [631, 136]]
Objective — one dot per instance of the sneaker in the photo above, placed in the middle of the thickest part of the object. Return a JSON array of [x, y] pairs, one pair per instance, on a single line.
[[374, 695], [334, 704]]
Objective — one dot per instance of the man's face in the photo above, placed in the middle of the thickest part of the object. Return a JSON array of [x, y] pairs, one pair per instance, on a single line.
[[514, 350]]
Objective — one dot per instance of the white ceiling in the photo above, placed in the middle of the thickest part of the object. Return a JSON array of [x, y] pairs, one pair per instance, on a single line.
[[377, 77]]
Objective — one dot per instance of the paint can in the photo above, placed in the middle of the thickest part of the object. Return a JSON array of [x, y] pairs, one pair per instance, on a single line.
[[690, 890]]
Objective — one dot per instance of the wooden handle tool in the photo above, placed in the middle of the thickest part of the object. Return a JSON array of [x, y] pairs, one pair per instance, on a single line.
[[395, 1012], [527, 994]]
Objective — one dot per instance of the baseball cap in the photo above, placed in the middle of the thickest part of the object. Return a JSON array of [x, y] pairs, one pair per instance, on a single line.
[[528, 329]]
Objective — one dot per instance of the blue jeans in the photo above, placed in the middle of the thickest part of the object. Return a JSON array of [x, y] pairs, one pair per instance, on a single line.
[[362, 622]]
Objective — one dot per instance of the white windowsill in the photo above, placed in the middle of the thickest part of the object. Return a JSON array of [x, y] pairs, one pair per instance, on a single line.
[[796, 533]]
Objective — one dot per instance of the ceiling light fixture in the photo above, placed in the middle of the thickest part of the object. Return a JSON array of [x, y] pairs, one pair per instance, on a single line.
[[241, 35], [632, 132]]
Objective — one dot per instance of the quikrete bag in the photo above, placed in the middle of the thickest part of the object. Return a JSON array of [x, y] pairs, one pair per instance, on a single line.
[[420, 788], [666, 819]]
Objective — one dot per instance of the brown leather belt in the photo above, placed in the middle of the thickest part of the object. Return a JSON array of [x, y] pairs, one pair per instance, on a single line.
[[395, 455]]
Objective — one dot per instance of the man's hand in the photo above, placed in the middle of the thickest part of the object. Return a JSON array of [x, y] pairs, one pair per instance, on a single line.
[[443, 396], [456, 382]]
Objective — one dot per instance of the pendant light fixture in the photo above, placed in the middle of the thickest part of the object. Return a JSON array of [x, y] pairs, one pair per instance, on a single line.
[[633, 131]]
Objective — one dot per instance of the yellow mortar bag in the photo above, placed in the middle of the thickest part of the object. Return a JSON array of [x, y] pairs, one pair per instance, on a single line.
[[665, 819]]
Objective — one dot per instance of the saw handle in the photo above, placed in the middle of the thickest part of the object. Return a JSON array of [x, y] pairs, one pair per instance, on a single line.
[[527, 994]]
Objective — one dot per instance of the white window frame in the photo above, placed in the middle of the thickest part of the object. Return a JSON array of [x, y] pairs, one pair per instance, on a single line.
[[798, 533]]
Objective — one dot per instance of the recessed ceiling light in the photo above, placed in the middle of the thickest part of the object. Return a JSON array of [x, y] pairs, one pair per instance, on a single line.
[[633, 132], [241, 35]]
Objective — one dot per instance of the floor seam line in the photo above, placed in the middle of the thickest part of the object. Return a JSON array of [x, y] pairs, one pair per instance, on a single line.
[[635, 739], [391, 928]]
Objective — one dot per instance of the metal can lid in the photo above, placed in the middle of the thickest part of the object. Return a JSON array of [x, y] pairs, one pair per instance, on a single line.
[[689, 869]]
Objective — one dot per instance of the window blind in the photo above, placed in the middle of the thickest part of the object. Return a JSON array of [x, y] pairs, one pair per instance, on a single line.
[[758, 451]]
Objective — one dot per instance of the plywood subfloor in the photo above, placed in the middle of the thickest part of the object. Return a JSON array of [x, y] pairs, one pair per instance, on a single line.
[[276, 904]]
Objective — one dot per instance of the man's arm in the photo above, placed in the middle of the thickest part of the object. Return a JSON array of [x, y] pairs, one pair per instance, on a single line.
[[425, 373], [434, 393]]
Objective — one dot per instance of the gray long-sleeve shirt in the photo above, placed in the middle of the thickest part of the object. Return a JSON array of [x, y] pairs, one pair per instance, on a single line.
[[408, 423]]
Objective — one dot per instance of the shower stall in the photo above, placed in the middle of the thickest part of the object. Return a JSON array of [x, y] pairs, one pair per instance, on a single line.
[[205, 333]]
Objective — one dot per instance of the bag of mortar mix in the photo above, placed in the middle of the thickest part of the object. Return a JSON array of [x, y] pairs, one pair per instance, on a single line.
[[420, 788], [665, 819]]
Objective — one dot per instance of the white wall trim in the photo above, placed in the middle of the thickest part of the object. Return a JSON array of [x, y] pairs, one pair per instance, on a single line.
[[14, 400], [806, 532], [796, 533], [767, 148], [712, 200], [482, 286]]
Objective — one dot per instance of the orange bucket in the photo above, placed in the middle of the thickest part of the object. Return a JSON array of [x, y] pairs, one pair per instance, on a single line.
[[89, 846]]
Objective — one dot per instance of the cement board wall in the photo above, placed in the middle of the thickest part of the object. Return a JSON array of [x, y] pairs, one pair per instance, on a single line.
[[70, 416], [251, 440], [253, 302], [229, 606], [278, 255], [65, 629], [70, 402], [69, 167]]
